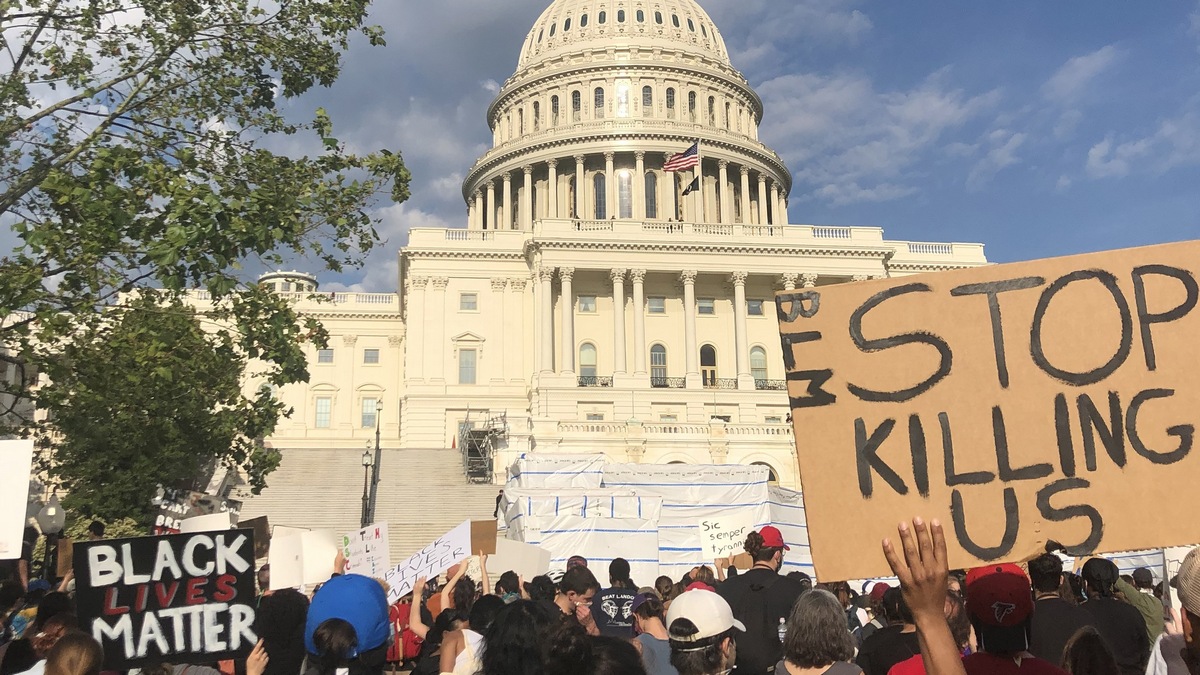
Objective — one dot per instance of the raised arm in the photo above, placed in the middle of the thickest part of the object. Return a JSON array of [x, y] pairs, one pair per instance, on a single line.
[[922, 571], [449, 589], [415, 624], [487, 581]]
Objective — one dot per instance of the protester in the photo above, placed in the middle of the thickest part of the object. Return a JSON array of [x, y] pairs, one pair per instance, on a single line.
[[960, 629], [614, 604], [28, 655], [1055, 619], [541, 590], [666, 590], [702, 629], [841, 591], [1000, 605], [75, 653], [515, 640], [1139, 592], [878, 620], [279, 623], [21, 653], [1179, 654], [761, 599], [12, 598], [95, 530], [429, 658], [570, 651], [806, 583], [817, 639], [576, 561], [508, 587], [1087, 654], [1119, 623], [462, 649], [576, 590], [649, 624], [347, 627], [893, 644]]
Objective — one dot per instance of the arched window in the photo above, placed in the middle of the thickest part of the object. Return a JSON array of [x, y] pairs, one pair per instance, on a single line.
[[712, 111], [651, 194], [641, 16], [572, 212], [708, 366], [620, 16], [537, 115], [758, 363], [647, 101], [728, 118], [625, 194], [675, 20], [602, 17], [583, 21], [599, 107], [671, 103], [703, 30], [553, 27], [576, 105], [540, 34], [772, 477], [567, 24], [520, 121], [658, 18], [692, 106], [658, 366], [554, 111], [691, 26], [599, 189], [587, 360]]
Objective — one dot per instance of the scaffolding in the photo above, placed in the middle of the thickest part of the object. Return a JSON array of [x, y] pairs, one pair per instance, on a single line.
[[480, 435]]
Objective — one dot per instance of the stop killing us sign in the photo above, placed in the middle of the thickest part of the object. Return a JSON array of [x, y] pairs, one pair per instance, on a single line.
[[1023, 404], [186, 598]]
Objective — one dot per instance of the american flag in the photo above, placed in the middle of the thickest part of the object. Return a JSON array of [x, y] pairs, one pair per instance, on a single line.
[[688, 159]]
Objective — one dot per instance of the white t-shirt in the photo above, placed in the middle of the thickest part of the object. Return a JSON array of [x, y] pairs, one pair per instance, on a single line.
[[1165, 658]]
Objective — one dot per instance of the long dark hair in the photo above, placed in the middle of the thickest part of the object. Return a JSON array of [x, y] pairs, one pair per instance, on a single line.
[[618, 574], [571, 651], [515, 639], [1087, 653], [336, 642]]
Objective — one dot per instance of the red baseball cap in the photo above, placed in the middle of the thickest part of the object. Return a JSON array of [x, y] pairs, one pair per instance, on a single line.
[[878, 590], [772, 538], [1000, 602]]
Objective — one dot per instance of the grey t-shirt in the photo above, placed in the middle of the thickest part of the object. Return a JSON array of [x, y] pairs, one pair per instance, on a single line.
[[656, 655]]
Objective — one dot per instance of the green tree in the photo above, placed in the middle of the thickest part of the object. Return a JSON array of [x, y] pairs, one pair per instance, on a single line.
[[136, 145], [148, 397]]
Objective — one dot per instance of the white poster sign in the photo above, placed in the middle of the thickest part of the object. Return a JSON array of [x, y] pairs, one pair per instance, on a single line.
[[366, 551], [305, 558], [723, 537], [448, 549], [527, 560], [17, 459], [213, 522]]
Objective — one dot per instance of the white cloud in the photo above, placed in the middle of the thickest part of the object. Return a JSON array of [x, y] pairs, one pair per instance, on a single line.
[[1063, 184], [1174, 144], [1001, 155], [764, 32], [1074, 77]]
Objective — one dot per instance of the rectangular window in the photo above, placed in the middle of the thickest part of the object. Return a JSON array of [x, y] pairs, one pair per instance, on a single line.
[[466, 366], [324, 356], [587, 304], [468, 302], [595, 417], [370, 407], [324, 412], [371, 356], [668, 418], [774, 419], [754, 307], [656, 305], [706, 306]]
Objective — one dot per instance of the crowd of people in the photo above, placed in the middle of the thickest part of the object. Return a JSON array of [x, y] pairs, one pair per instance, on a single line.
[[1037, 619]]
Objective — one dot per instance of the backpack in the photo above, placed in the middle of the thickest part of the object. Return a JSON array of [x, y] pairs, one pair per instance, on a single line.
[[759, 648]]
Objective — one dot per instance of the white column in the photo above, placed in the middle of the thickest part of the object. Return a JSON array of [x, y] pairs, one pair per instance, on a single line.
[[639, 185], [499, 311], [519, 357], [489, 222], [506, 221], [689, 326], [739, 327], [566, 274], [776, 215], [479, 212], [788, 281], [745, 171], [809, 279], [698, 215], [546, 300], [435, 324], [639, 321], [527, 200], [471, 213], [552, 190], [723, 186], [618, 281], [415, 316], [762, 199], [668, 191], [610, 186], [579, 159], [781, 209]]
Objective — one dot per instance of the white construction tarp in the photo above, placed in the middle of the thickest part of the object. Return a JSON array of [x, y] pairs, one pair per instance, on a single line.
[[600, 540], [690, 494], [533, 470], [787, 514]]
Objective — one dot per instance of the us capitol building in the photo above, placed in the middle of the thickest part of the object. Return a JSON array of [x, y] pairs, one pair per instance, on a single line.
[[592, 303]]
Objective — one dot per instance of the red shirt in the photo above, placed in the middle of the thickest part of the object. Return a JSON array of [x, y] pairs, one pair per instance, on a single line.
[[913, 666], [990, 664]]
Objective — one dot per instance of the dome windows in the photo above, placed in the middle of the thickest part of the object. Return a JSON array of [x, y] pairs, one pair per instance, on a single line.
[[554, 110], [620, 16], [583, 21], [647, 101], [675, 20], [658, 18], [540, 34], [567, 24], [651, 194], [691, 26], [553, 27], [703, 30], [599, 103], [600, 190], [641, 16], [624, 193], [692, 106], [602, 17], [576, 105], [671, 102]]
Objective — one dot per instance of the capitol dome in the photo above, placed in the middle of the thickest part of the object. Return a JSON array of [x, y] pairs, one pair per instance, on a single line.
[[604, 93]]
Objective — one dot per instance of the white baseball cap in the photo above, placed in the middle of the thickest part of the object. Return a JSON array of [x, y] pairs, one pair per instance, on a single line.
[[707, 610], [1188, 582]]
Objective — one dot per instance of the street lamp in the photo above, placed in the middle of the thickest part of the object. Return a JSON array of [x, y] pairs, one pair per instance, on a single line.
[[370, 517], [367, 461], [51, 520]]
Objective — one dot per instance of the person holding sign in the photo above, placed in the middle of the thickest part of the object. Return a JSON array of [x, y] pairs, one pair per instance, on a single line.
[[348, 627], [761, 598]]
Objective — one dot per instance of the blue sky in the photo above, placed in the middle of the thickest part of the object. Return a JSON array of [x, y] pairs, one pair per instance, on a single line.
[[1037, 128]]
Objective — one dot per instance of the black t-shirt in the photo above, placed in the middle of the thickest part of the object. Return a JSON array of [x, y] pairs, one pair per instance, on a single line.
[[1124, 629], [613, 609], [10, 569], [1054, 622], [759, 598], [885, 648]]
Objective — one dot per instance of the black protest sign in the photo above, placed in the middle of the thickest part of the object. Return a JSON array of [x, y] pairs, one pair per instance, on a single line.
[[1054, 400], [176, 506], [186, 598]]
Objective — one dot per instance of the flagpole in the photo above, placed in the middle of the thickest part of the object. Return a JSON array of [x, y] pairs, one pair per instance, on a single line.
[[698, 208]]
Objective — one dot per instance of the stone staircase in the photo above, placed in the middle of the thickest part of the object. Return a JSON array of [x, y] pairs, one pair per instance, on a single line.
[[422, 494]]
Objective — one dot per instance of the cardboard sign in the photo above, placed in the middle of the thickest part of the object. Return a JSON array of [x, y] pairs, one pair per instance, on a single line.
[[300, 559], [366, 551], [262, 535], [1016, 403], [186, 598], [723, 537], [526, 560], [450, 548], [65, 554], [17, 459], [483, 537], [176, 506]]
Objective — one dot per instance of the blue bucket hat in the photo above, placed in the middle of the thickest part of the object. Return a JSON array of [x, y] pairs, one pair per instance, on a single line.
[[357, 600]]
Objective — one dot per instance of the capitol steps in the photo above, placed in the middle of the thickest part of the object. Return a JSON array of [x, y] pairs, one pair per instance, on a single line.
[[422, 494]]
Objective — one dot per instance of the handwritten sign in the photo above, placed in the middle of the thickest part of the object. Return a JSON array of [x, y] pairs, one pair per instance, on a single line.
[[1017, 403], [366, 551], [177, 598], [176, 506], [449, 549], [17, 457], [723, 537]]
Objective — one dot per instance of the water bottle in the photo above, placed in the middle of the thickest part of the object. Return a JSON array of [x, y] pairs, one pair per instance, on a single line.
[[782, 629]]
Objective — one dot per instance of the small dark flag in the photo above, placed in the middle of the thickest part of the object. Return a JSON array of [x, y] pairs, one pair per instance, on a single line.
[[692, 186]]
